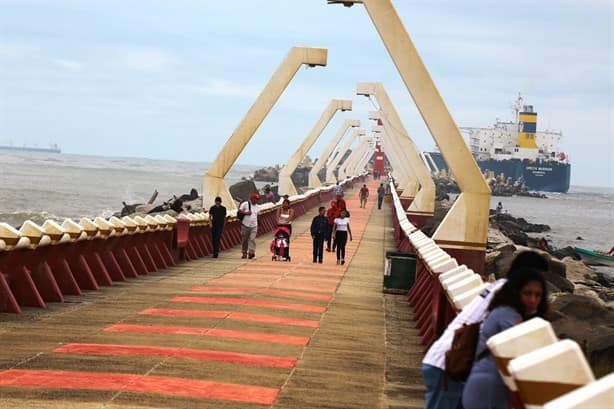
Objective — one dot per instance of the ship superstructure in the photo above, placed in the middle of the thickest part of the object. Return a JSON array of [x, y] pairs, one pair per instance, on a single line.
[[518, 150]]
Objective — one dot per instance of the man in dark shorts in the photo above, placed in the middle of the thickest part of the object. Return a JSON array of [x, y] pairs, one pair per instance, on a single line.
[[217, 220]]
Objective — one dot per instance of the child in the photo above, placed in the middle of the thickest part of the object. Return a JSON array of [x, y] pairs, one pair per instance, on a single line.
[[319, 228]]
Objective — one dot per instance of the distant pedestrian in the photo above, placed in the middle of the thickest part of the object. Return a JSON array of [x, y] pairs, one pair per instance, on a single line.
[[217, 221], [332, 213], [381, 192], [269, 195], [498, 211], [341, 205], [319, 229], [249, 225], [341, 231], [338, 190], [363, 194]]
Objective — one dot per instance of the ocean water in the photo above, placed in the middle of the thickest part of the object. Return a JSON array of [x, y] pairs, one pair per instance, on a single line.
[[38, 186]]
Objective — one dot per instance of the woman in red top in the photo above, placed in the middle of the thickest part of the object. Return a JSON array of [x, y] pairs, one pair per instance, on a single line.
[[332, 213]]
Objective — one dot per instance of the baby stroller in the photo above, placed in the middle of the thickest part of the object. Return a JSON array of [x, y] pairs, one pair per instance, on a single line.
[[280, 246]]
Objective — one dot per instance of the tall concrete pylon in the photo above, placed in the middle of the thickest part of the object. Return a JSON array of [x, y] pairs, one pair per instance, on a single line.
[[330, 169], [314, 179], [351, 160], [213, 180], [423, 204], [286, 186], [464, 230]]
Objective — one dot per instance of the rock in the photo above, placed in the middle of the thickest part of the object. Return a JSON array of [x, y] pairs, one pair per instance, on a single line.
[[578, 271], [566, 252], [582, 308], [605, 279], [268, 174], [496, 238], [561, 283], [585, 291], [241, 191], [579, 238]]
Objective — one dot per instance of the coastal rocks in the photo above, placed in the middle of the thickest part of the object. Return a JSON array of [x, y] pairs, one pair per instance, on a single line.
[[516, 228], [268, 174], [241, 191], [586, 320]]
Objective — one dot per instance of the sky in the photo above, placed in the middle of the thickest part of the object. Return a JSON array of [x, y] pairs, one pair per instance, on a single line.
[[173, 79]]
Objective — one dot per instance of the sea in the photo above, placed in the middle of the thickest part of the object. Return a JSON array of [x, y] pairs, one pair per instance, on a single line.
[[41, 186]]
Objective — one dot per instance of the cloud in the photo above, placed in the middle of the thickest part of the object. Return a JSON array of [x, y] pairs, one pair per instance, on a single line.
[[146, 59], [70, 65]]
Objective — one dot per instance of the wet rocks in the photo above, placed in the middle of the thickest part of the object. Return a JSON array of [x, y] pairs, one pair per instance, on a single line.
[[267, 174]]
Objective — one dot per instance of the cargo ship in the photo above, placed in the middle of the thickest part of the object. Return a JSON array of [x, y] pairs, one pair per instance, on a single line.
[[53, 148], [517, 150]]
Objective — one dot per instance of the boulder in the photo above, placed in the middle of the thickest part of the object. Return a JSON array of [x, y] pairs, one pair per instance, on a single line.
[[578, 271], [582, 308], [241, 191], [605, 279], [566, 252]]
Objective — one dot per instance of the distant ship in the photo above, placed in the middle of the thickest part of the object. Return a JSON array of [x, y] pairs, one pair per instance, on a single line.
[[518, 151], [53, 148]]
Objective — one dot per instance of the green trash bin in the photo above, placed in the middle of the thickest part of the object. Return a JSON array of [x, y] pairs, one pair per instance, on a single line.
[[399, 272]]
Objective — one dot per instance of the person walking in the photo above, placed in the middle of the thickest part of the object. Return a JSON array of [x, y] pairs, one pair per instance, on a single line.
[[522, 297], [249, 225], [337, 189], [217, 221], [381, 192], [341, 231], [363, 194], [332, 213], [319, 229]]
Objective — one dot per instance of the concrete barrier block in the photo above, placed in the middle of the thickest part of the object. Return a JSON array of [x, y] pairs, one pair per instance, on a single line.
[[443, 266], [598, 394], [74, 230], [452, 272], [550, 372], [89, 227], [461, 300], [518, 340], [464, 285], [450, 281]]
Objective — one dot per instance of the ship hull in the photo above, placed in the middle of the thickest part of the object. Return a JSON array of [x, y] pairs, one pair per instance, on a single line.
[[543, 176]]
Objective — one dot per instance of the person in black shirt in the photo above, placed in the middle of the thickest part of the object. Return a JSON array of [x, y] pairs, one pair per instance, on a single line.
[[319, 229], [217, 220]]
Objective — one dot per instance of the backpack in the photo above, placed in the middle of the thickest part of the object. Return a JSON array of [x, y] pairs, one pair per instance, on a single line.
[[240, 214], [459, 359]]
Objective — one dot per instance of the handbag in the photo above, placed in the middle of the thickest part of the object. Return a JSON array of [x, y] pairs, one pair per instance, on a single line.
[[460, 357]]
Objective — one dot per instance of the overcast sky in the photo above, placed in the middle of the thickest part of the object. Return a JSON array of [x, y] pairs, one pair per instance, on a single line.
[[172, 79]]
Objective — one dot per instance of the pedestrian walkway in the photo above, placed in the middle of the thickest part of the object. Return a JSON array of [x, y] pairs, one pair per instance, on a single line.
[[225, 333]]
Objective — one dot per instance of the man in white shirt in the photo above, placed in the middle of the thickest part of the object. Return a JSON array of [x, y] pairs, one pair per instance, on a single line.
[[249, 225]]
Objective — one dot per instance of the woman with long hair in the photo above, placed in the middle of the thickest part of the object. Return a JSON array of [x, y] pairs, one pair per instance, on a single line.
[[522, 297], [341, 231], [285, 214]]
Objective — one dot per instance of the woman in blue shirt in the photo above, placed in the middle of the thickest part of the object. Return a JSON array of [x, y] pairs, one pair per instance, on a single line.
[[523, 296]]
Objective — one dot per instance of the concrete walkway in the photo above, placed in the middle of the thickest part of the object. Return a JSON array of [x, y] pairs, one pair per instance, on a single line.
[[226, 333]]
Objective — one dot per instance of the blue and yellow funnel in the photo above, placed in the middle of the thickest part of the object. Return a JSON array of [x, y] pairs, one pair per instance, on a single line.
[[527, 127]]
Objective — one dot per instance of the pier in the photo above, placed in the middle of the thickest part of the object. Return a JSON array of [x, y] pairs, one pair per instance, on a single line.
[[133, 312]]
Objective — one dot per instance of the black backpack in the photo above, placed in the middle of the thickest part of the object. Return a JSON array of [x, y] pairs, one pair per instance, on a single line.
[[240, 214]]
